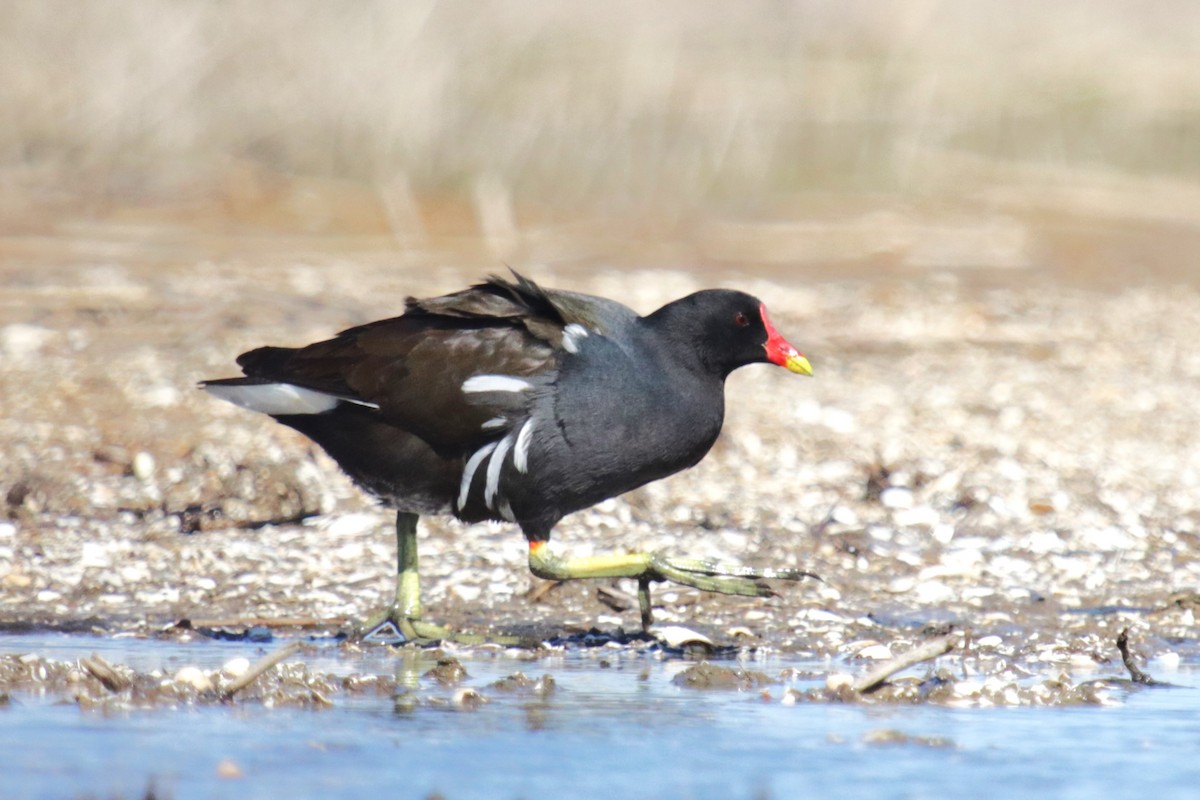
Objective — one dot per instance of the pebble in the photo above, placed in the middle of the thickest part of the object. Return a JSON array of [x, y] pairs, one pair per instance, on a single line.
[[20, 341], [837, 681], [93, 554], [468, 594], [161, 396], [817, 615], [838, 421], [350, 525], [876, 652], [933, 593], [827, 593], [843, 515], [1082, 661], [896, 497], [468, 699], [236, 667], [194, 677], [143, 466], [943, 533], [678, 636], [1168, 662], [917, 517]]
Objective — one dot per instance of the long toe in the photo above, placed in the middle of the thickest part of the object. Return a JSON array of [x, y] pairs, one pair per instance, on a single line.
[[725, 578], [392, 626], [684, 571], [387, 627]]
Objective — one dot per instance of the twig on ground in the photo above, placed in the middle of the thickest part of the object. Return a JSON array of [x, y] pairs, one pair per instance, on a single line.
[[543, 588], [253, 622], [102, 671], [826, 521], [1135, 674], [615, 599], [922, 652], [968, 640], [259, 667]]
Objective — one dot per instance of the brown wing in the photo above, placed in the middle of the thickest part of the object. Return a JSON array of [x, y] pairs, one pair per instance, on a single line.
[[413, 367]]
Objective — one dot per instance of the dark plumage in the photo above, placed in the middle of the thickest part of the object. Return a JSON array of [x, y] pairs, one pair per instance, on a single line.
[[512, 402]]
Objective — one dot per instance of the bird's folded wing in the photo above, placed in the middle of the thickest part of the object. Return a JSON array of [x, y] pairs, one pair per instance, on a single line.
[[457, 370]]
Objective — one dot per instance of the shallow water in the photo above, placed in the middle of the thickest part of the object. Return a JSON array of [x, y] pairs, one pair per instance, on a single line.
[[624, 730]]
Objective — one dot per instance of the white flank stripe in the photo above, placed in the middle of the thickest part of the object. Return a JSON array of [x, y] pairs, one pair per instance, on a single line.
[[276, 398], [494, 422], [495, 383], [464, 488], [493, 470], [521, 451], [571, 336], [506, 511]]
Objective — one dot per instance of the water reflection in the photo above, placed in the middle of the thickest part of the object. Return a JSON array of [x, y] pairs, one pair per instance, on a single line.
[[623, 729]]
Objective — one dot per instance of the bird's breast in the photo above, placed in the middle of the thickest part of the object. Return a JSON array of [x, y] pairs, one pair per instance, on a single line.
[[610, 427]]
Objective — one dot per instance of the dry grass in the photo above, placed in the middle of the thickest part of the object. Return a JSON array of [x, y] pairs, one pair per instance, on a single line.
[[562, 108]]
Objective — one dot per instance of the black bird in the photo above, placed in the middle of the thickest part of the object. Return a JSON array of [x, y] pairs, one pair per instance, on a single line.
[[507, 401]]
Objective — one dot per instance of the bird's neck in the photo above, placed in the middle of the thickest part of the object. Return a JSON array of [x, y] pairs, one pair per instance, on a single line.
[[680, 340]]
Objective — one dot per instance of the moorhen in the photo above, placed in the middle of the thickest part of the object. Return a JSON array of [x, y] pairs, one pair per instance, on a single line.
[[508, 401]]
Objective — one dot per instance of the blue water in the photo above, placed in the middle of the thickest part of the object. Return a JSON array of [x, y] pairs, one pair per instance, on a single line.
[[611, 732]]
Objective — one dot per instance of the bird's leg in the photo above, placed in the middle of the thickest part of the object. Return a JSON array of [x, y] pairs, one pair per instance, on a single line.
[[709, 576], [404, 614], [645, 606], [408, 579]]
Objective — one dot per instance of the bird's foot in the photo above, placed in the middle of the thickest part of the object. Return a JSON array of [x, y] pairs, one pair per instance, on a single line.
[[395, 625], [709, 576], [721, 577]]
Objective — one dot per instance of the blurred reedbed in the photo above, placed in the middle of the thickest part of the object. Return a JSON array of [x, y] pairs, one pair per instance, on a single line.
[[563, 108]]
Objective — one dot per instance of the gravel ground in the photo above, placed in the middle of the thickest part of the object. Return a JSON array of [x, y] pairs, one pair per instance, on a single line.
[[1013, 460]]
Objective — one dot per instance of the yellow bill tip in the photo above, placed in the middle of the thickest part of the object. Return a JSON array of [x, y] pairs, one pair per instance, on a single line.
[[798, 364]]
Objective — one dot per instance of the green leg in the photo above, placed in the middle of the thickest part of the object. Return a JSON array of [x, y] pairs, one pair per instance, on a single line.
[[408, 579], [709, 576], [404, 614]]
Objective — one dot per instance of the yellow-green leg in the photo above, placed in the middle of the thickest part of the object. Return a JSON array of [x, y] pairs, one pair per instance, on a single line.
[[404, 614], [709, 576]]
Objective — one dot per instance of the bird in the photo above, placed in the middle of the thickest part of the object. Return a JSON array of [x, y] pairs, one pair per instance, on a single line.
[[512, 402]]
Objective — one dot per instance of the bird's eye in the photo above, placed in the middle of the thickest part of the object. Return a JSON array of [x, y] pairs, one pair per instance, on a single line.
[[741, 320]]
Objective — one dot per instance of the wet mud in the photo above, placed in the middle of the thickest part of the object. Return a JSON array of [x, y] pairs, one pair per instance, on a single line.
[[1009, 459]]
